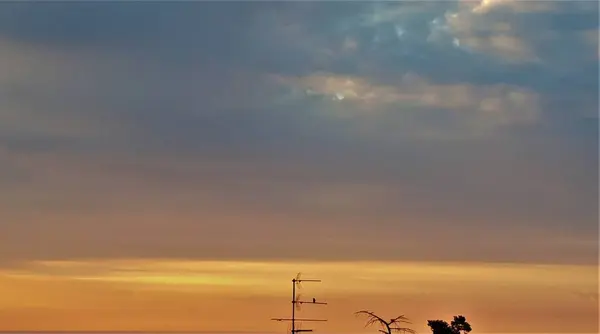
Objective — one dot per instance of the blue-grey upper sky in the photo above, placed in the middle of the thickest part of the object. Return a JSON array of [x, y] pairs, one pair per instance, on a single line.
[[382, 130]]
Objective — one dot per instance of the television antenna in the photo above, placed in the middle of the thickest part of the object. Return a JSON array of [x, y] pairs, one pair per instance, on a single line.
[[297, 303]]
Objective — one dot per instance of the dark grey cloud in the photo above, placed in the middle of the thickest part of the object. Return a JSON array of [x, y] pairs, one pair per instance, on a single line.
[[294, 38]]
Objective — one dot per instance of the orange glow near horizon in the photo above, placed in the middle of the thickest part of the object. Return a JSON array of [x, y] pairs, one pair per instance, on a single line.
[[158, 295]]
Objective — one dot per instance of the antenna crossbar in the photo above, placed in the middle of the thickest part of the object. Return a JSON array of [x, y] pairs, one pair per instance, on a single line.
[[308, 302], [296, 319]]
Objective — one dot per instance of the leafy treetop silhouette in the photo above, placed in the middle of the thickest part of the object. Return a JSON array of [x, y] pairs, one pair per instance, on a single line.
[[387, 326], [458, 326]]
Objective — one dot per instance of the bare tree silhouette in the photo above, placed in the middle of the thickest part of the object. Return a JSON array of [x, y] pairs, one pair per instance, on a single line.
[[458, 326], [387, 326]]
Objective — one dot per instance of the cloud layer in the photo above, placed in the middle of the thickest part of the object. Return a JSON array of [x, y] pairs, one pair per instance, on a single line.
[[217, 130]]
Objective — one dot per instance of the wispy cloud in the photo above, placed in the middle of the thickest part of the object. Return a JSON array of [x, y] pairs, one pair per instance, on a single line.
[[492, 105]]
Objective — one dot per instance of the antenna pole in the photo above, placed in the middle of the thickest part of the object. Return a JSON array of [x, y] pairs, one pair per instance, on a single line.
[[293, 306]]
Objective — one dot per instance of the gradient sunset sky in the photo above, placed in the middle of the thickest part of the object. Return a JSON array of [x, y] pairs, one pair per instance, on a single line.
[[172, 166]]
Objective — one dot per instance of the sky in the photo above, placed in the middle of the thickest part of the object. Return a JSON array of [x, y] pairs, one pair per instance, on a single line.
[[172, 165]]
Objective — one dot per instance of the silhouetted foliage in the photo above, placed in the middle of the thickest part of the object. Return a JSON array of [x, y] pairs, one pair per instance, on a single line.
[[458, 326], [387, 326]]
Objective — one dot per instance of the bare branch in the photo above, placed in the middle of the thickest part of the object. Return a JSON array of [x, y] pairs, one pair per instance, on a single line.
[[372, 318], [400, 319], [403, 330]]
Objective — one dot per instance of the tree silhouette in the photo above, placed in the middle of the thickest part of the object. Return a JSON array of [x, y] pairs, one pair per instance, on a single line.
[[457, 326], [387, 326]]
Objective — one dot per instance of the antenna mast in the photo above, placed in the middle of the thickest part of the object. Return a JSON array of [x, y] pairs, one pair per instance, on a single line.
[[297, 303]]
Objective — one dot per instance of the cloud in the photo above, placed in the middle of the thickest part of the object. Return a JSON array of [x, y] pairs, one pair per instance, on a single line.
[[482, 108], [148, 139], [117, 205], [485, 6], [515, 31], [52, 97], [475, 29], [496, 39]]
